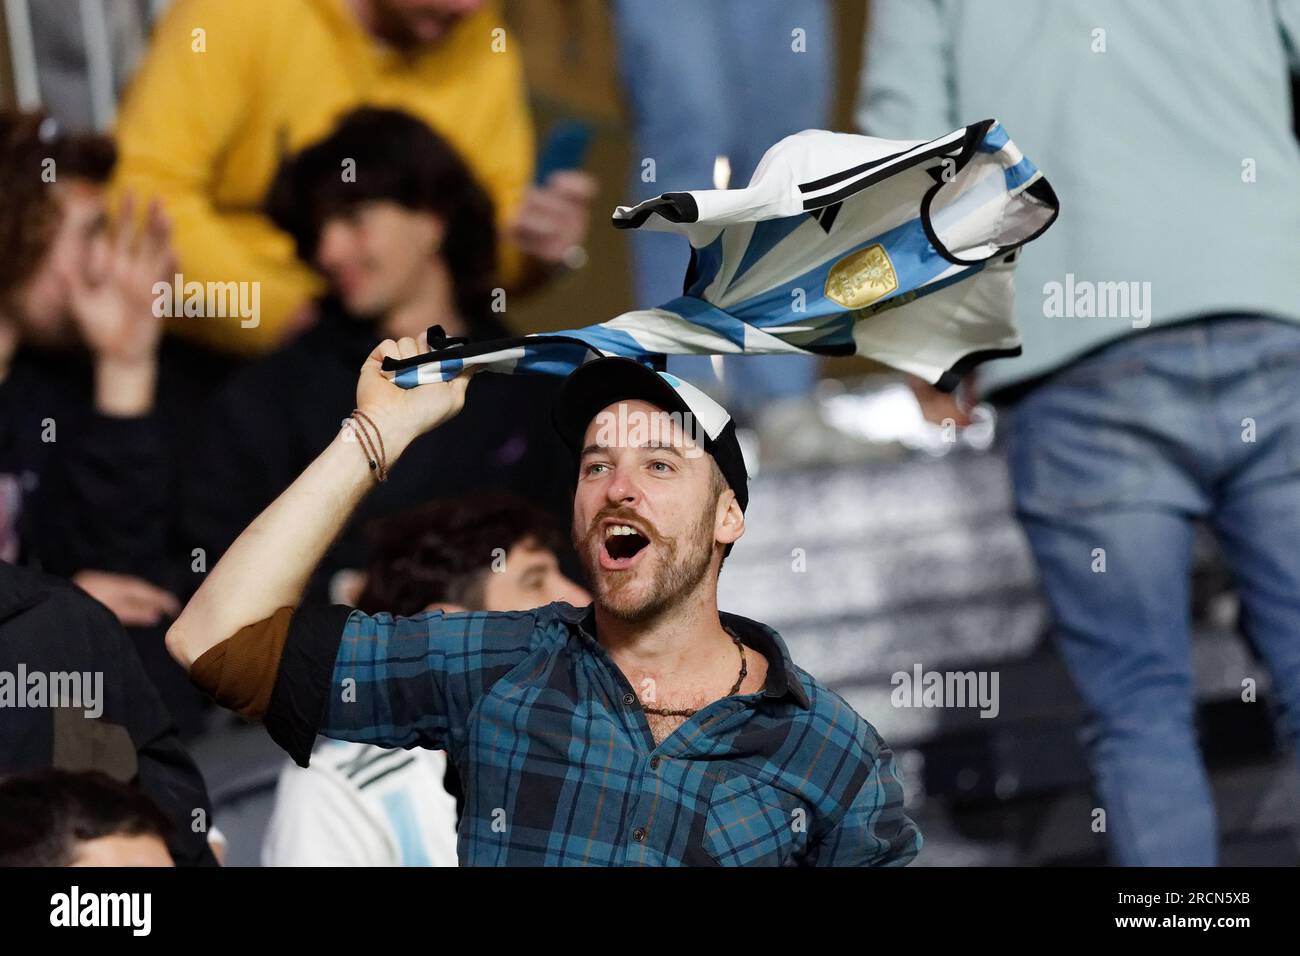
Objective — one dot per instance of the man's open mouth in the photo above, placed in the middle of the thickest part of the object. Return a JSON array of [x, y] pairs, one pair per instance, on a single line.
[[621, 547]]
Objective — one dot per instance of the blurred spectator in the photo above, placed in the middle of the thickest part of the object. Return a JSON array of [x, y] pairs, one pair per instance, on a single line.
[[445, 554], [60, 818], [77, 698], [228, 87], [1169, 141], [84, 471], [409, 244], [724, 78], [362, 805]]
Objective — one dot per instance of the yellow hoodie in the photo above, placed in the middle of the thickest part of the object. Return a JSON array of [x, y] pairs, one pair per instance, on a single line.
[[231, 86]]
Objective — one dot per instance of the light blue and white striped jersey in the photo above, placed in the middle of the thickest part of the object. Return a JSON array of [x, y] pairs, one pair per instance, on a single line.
[[361, 805], [900, 251]]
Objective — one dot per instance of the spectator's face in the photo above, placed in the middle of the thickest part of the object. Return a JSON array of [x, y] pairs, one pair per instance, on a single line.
[[530, 578], [378, 256], [43, 303], [663, 491], [122, 849], [408, 24]]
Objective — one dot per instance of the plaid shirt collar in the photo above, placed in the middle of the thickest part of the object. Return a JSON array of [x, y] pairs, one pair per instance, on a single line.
[[782, 675]]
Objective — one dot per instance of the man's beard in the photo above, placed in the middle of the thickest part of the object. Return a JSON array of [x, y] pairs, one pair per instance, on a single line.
[[676, 575]]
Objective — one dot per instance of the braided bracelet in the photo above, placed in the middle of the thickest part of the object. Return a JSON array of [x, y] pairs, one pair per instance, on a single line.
[[378, 437], [373, 458]]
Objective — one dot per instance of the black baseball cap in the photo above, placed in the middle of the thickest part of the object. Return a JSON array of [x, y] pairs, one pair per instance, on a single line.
[[604, 381]]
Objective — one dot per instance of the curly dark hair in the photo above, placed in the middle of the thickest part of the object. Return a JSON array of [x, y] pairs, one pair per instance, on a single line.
[[29, 209], [44, 814], [398, 159], [441, 552]]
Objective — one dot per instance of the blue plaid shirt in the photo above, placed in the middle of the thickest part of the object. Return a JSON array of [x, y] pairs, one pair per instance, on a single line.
[[557, 760]]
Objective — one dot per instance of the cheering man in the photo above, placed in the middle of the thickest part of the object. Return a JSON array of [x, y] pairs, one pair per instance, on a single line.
[[645, 729]]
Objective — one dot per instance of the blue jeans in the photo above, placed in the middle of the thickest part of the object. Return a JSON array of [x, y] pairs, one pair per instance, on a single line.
[[713, 78], [1124, 451]]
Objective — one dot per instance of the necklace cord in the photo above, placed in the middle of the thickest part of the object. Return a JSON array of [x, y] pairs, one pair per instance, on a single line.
[[735, 688]]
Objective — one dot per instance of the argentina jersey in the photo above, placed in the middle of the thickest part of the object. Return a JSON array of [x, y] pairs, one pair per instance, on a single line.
[[898, 251], [361, 805]]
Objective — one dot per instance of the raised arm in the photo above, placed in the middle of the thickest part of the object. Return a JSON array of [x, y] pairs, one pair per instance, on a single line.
[[268, 565]]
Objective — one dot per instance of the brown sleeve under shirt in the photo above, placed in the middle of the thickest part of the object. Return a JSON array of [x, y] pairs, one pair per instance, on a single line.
[[240, 672], [278, 671]]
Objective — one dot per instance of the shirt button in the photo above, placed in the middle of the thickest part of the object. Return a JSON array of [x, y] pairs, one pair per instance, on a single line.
[[654, 763], [639, 834], [629, 700]]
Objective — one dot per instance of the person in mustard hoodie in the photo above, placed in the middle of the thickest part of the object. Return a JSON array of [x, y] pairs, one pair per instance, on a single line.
[[230, 87]]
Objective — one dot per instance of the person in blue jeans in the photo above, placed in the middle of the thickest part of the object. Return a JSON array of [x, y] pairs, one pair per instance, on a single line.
[[1160, 381], [721, 78], [1116, 458]]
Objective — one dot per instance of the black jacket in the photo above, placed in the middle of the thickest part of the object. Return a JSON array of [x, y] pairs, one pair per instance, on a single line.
[[273, 418], [48, 626], [86, 491], [102, 495]]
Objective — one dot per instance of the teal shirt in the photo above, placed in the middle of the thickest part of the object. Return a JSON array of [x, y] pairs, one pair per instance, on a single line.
[[1171, 150]]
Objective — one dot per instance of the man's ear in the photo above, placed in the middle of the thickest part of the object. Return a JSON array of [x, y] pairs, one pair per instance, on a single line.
[[730, 523]]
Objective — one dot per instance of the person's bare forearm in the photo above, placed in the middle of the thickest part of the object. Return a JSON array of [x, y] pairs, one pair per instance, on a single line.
[[268, 566]]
